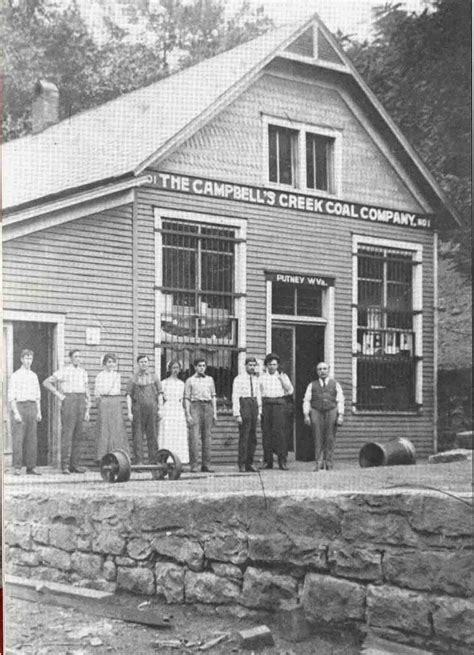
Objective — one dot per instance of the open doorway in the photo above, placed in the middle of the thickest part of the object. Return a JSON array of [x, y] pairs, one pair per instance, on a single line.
[[39, 337], [300, 347]]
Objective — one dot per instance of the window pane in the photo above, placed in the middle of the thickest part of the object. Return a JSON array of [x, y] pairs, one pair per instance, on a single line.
[[309, 301], [384, 384], [319, 162], [282, 154], [283, 298], [217, 271]]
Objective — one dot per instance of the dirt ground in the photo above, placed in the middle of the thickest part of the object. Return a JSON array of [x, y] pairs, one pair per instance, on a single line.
[[40, 629]]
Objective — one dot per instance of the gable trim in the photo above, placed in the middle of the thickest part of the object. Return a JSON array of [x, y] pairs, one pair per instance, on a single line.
[[367, 127], [223, 102]]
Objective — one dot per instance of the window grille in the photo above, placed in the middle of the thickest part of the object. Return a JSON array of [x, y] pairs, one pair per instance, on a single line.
[[386, 357], [198, 300]]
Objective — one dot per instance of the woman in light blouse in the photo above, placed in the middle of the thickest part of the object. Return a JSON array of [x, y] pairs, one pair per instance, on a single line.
[[110, 427]]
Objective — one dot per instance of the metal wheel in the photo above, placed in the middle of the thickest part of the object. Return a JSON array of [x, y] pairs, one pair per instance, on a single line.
[[116, 466], [169, 465]]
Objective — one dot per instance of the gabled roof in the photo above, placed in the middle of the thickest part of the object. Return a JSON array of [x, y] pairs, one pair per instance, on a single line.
[[123, 136]]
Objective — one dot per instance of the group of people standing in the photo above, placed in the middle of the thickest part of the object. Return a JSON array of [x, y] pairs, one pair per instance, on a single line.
[[170, 414]]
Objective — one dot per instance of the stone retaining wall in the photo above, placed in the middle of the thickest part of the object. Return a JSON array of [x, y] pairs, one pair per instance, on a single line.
[[398, 564]]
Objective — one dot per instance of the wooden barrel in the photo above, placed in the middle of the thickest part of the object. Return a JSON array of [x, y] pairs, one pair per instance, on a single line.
[[391, 453]]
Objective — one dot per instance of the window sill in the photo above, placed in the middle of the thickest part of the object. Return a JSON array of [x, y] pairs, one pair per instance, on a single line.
[[317, 193]]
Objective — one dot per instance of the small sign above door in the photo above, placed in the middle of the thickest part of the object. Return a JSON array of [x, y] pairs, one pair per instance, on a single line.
[[300, 279]]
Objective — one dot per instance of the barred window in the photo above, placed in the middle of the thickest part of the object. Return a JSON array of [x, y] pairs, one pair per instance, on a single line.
[[198, 299], [386, 357]]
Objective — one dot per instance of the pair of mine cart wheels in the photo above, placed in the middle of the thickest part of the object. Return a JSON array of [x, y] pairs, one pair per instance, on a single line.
[[117, 466]]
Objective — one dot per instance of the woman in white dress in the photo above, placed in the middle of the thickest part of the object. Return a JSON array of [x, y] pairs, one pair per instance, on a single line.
[[111, 433], [173, 431]]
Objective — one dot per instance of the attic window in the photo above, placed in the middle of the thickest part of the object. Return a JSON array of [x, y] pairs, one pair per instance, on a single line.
[[303, 45], [326, 51]]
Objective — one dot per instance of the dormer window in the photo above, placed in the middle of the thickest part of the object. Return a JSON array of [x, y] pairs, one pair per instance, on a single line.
[[302, 157]]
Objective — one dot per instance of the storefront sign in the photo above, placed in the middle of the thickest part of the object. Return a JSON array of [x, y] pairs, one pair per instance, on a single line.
[[300, 279], [287, 200]]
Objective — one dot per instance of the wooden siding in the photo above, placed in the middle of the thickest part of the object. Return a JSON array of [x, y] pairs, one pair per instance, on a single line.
[[219, 150], [283, 240], [82, 269]]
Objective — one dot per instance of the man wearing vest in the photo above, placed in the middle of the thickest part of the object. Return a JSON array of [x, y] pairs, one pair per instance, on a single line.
[[323, 409]]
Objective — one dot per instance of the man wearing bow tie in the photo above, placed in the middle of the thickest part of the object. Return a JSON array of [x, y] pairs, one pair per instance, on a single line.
[[201, 413], [246, 408], [323, 409]]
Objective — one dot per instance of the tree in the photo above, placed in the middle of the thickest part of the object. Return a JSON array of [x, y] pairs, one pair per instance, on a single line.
[[44, 40], [419, 66]]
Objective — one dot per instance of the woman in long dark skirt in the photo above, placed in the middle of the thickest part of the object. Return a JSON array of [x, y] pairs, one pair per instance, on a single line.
[[111, 433]]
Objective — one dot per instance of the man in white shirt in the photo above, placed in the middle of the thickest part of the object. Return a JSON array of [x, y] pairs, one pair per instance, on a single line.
[[246, 408], [24, 395], [276, 388], [323, 409], [71, 385]]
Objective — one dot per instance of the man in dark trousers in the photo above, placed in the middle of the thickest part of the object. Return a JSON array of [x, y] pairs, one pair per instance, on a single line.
[[323, 409], [24, 396], [70, 384], [246, 408], [144, 398]]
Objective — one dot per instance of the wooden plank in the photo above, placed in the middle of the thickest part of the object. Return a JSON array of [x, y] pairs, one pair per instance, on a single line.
[[88, 601]]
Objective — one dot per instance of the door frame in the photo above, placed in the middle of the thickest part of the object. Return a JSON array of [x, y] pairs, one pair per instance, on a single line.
[[326, 320], [58, 321]]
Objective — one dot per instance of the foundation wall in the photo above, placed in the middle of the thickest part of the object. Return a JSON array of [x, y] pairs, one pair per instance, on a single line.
[[397, 564]]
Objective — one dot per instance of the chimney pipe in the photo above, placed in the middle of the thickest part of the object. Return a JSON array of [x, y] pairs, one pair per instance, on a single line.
[[45, 105]]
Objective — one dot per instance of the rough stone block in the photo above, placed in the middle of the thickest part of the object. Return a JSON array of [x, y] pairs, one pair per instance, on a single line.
[[317, 518], [227, 571], [453, 619], [332, 600], [139, 548], [109, 543], [183, 550], [265, 590], [227, 547], [109, 571], [209, 588], [170, 582], [255, 638], [40, 533], [456, 455], [363, 524], [116, 511], [55, 558], [441, 516], [125, 561], [138, 580], [403, 610], [87, 564], [18, 534], [292, 621], [445, 571], [346, 560], [280, 548], [63, 536], [23, 557]]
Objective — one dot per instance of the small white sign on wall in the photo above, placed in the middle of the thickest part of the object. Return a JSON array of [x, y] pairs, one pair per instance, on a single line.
[[92, 336]]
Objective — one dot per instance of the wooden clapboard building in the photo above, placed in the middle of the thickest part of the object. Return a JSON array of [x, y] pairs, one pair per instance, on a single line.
[[259, 201]]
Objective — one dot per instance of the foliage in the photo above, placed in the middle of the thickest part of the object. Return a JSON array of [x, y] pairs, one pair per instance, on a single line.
[[45, 40], [419, 66]]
